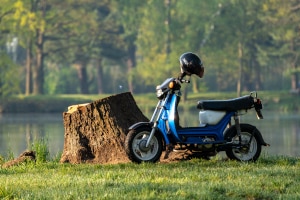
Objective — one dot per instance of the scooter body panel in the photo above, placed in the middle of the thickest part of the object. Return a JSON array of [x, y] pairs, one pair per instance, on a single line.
[[190, 135]]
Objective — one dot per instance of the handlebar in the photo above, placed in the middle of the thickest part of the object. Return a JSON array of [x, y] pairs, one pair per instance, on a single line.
[[181, 76]]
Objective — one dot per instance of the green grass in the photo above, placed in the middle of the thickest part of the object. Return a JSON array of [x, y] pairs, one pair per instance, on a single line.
[[269, 178]]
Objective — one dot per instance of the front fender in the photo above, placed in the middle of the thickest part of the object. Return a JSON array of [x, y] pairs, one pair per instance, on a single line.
[[139, 124], [150, 125]]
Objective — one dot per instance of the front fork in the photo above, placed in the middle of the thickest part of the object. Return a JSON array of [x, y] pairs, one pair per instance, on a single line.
[[151, 134], [156, 115]]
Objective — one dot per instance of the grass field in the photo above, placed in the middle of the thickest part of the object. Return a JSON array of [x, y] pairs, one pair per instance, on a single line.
[[268, 178]]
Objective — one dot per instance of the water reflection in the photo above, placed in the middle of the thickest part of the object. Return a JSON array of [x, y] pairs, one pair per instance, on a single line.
[[18, 131], [282, 131]]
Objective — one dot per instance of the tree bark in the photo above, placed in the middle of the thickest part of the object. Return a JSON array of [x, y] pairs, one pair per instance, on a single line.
[[95, 132]]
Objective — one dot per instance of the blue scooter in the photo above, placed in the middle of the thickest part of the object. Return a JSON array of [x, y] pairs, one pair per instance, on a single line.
[[145, 141]]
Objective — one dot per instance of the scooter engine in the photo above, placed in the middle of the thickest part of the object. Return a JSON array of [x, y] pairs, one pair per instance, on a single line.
[[207, 140]]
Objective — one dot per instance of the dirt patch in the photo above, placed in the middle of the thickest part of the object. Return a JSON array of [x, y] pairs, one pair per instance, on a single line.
[[26, 156]]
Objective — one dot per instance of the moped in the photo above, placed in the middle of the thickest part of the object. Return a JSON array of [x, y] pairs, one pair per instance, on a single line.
[[219, 128]]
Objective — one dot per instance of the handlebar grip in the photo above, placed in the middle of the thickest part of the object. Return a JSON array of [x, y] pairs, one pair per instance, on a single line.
[[185, 81]]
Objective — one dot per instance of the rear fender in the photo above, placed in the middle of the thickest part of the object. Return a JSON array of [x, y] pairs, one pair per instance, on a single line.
[[254, 131]]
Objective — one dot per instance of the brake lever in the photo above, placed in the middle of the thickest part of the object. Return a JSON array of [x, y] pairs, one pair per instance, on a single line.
[[258, 107]]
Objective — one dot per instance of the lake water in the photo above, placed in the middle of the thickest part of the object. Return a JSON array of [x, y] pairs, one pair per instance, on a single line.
[[18, 131]]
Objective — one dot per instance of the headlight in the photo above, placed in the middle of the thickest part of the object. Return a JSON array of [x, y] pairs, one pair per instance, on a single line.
[[171, 85]]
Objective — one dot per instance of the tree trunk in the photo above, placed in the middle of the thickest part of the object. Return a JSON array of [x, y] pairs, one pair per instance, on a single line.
[[99, 76], [95, 132], [294, 81], [168, 23], [239, 82], [131, 63], [38, 76], [28, 82], [129, 73], [294, 75], [258, 74], [82, 76]]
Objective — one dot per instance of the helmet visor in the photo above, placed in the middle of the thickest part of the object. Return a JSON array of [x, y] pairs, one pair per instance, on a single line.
[[199, 71]]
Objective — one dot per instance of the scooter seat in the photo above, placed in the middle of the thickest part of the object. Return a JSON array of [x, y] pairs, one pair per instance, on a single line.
[[240, 103]]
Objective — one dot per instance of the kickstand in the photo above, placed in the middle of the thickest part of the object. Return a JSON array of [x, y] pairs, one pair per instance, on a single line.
[[169, 149]]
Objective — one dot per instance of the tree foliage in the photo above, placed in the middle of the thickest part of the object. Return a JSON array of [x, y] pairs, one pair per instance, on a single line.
[[9, 82], [283, 18], [79, 46]]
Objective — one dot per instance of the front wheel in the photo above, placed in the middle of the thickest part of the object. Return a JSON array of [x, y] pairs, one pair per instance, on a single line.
[[244, 148], [135, 145]]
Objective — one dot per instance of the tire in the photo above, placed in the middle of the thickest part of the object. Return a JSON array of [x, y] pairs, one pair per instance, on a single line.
[[135, 145], [250, 153]]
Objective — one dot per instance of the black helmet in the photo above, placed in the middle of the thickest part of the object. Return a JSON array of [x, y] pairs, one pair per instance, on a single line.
[[190, 64]]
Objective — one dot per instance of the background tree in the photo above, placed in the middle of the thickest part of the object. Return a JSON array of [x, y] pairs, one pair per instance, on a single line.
[[239, 32], [134, 45], [191, 30], [283, 18], [151, 44], [185, 31], [130, 14], [9, 73], [91, 35], [29, 17]]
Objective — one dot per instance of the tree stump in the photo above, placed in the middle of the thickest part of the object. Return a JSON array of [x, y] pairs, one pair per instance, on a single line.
[[95, 132]]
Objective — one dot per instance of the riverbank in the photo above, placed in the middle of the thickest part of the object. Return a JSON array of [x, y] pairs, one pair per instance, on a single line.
[[282, 101]]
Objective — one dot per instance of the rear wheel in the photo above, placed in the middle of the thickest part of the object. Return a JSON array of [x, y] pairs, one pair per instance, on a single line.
[[249, 148], [135, 145]]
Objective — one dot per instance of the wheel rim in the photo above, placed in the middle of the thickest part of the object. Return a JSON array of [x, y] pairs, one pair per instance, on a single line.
[[245, 154], [139, 146]]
